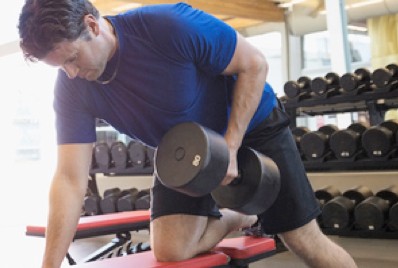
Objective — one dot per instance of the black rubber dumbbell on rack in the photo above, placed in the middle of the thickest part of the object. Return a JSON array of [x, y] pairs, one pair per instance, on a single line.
[[150, 156], [111, 196], [327, 193], [372, 213], [324, 195], [356, 83], [91, 204], [338, 213], [127, 202], [119, 155], [326, 87], [194, 159], [315, 144], [137, 154], [298, 90], [393, 218], [346, 144], [379, 141], [102, 156], [143, 203], [298, 132], [386, 79]]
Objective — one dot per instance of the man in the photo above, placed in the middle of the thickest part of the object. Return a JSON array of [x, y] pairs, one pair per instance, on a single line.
[[143, 72]]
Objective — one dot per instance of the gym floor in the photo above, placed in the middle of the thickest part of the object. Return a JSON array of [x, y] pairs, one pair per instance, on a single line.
[[28, 206]]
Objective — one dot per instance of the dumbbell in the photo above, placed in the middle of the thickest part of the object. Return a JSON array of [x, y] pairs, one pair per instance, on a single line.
[[379, 140], [91, 204], [119, 154], [193, 160], [327, 193], [102, 155], [137, 153], [338, 213], [127, 202], [111, 196], [385, 76], [300, 88], [298, 132], [150, 155], [345, 143], [326, 86], [315, 144], [324, 195], [359, 81], [143, 203], [372, 213], [393, 218]]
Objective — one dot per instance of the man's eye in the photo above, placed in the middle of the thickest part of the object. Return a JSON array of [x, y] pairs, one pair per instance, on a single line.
[[73, 59]]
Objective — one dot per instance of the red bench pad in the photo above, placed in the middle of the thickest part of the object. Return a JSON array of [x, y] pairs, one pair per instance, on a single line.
[[147, 259], [245, 247], [100, 221]]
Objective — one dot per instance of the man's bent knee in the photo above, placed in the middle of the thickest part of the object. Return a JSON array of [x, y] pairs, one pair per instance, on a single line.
[[173, 237]]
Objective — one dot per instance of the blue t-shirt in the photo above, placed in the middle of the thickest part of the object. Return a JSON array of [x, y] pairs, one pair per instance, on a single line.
[[169, 63]]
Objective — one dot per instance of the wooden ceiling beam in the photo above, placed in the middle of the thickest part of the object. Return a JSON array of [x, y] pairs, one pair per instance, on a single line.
[[264, 10]]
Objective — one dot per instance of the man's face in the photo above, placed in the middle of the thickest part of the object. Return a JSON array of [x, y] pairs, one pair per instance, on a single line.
[[81, 58]]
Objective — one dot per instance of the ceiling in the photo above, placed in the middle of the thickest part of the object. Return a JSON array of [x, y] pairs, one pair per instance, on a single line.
[[237, 13], [301, 16]]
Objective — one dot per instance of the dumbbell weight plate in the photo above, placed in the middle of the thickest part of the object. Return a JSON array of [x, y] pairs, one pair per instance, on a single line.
[[382, 76], [358, 127], [118, 152], [293, 89], [344, 143], [102, 155], [327, 193], [191, 159], [350, 82], [393, 216], [257, 187], [377, 141], [370, 214], [321, 85], [337, 213], [136, 153]]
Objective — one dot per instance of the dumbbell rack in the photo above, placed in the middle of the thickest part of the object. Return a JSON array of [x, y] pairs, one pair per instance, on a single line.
[[375, 101]]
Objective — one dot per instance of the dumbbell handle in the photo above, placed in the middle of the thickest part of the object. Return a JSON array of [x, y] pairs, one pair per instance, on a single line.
[[237, 180]]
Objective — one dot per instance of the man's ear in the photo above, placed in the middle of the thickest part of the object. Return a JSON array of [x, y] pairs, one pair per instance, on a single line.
[[92, 24]]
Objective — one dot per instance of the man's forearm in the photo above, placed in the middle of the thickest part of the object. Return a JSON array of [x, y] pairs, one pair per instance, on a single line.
[[247, 94], [65, 207]]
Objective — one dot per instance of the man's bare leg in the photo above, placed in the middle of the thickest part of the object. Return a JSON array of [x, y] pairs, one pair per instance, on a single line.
[[315, 248], [178, 237]]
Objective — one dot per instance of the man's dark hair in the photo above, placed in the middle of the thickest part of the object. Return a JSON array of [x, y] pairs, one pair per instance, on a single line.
[[44, 23]]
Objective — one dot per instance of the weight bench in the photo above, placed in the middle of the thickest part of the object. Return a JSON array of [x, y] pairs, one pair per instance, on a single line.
[[230, 252], [120, 224]]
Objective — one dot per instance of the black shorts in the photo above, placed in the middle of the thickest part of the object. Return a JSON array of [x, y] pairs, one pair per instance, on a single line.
[[295, 205]]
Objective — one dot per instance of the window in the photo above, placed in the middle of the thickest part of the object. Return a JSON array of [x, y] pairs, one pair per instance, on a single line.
[[271, 46]]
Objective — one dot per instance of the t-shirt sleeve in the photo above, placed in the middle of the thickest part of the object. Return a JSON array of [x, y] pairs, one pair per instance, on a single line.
[[74, 123], [189, 34]]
